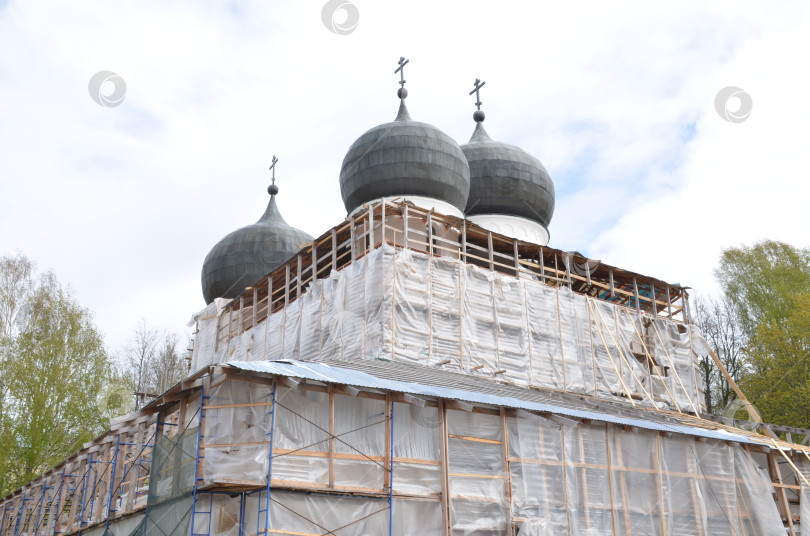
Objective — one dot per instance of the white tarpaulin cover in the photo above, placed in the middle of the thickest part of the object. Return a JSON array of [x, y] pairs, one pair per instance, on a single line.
[[437, 311]]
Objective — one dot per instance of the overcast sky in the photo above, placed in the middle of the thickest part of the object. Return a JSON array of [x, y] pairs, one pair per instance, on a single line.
[[617, 99]]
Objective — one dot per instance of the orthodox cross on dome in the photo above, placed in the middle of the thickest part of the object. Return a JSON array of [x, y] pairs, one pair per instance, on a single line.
[[478, 85], [401, 70], [402, 92], [273, 189]]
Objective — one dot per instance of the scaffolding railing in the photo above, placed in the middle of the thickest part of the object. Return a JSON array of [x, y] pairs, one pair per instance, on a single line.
[[404, 225], [270, 455]]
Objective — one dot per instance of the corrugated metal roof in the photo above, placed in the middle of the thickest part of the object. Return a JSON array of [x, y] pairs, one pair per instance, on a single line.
[[352, 373]]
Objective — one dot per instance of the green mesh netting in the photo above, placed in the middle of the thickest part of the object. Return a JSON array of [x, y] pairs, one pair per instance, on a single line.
[[171, 486]]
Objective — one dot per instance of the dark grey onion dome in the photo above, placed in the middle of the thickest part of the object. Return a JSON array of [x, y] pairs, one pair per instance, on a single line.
[[246, 255], [402, 158], [506, 180]]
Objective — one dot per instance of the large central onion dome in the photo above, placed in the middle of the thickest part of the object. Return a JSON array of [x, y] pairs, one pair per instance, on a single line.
[[246, 255], [406, 158], [511, 192]]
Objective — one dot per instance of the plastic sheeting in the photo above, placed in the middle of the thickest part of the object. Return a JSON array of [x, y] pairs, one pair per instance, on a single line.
[[578, 478], [237, 433], [505, 469], [437, 311]]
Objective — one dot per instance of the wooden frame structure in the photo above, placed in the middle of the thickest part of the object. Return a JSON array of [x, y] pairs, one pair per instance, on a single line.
[[404, 225], [97, 486]]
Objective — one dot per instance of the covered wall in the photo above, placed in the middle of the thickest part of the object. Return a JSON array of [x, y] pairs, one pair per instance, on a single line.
[[411, 307], [478, 471]]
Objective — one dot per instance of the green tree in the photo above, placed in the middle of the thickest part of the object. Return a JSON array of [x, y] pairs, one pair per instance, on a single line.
[[769, 286], [53, 368], [778, 381], [763, 281]]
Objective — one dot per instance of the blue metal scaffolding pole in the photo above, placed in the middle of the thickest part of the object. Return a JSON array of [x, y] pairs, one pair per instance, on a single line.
[[197, 459]]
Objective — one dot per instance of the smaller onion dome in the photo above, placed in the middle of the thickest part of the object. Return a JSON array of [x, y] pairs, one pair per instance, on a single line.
[[510, 190], [246, 255], [405, 158]]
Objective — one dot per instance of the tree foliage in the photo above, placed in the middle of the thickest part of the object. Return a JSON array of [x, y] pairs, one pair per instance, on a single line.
[[768, 285], [763, 281], [778, 381], [53, 367]]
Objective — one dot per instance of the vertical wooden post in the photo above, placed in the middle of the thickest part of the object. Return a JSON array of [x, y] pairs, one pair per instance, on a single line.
[[352, 238], [430, 232], [507, 471], [697, 507], [382, 222], [617, 432], [567, 261], [387, 476], [405, 224], [464, 240], [230, 328], [269, 296], [314, 261], [610, 486], [541, 458], [331, 391], [489, 251], [542, 266], [255, 306], [635, 293], [517, 261], [584, 478], [132, 490], [781, 497], [654, 300], [76, 496], [588, 271], [370, 234], [334, 249], [687, 313], [612, 286], [241, 314], [101, 491], [445, 466], [200, 454], [669, 304], [57, 513], [286, 284], [298, 277]]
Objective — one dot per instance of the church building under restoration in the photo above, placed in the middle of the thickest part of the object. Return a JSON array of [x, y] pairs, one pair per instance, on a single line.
[[429, 366]]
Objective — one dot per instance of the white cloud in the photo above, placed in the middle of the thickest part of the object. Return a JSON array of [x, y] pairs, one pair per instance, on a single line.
[[616, 99]]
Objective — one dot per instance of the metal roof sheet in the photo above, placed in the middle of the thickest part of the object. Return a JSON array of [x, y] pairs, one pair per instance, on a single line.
[[337, 374]]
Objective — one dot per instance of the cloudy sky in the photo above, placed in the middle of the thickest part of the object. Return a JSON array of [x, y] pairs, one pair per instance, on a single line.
[[616, 98]]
